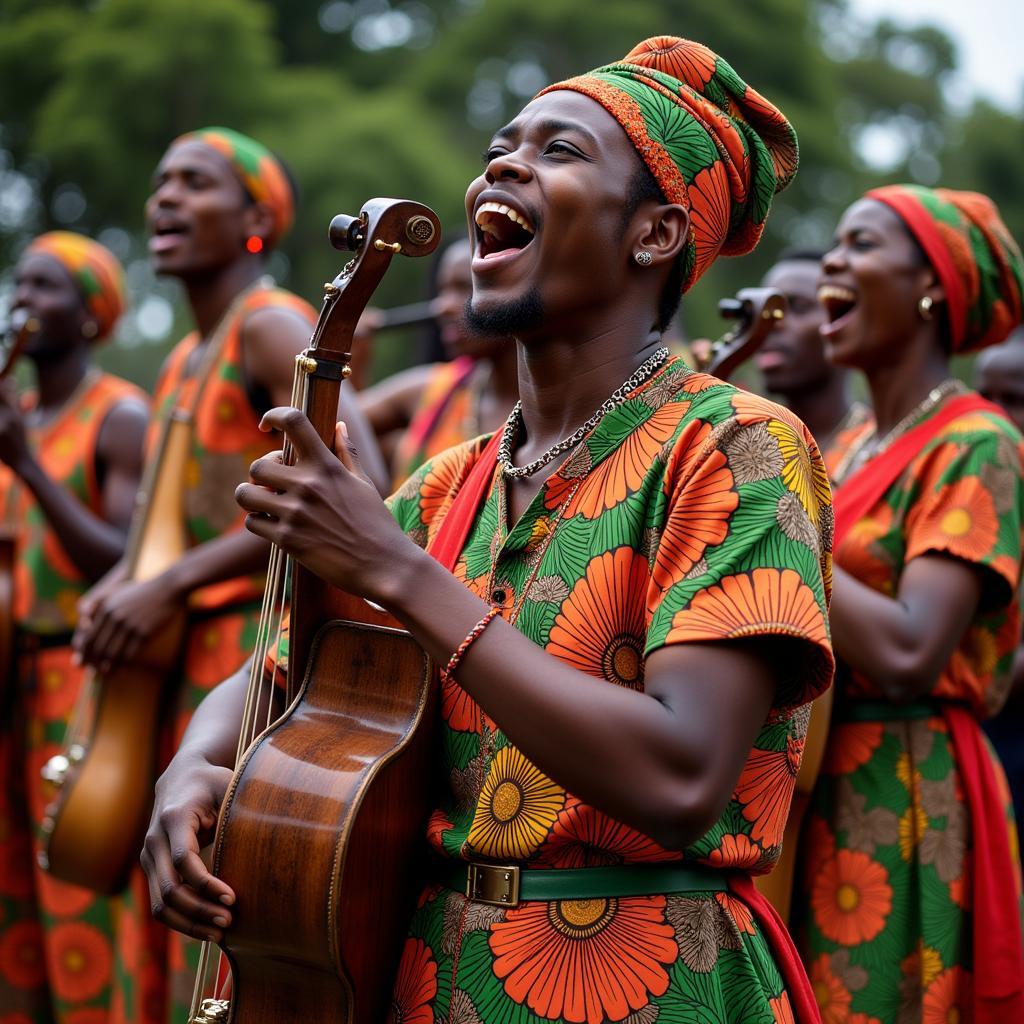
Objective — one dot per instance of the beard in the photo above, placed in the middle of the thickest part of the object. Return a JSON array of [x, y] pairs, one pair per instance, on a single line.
[[521, 315]]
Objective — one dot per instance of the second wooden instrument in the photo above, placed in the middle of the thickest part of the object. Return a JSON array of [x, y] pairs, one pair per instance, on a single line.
[[322, 826], [105, 776]]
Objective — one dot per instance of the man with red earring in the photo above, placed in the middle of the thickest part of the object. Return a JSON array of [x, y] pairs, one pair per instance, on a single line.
[[220, 203]]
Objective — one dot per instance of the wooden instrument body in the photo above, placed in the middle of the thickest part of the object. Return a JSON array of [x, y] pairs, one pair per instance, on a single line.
[[323, 824], [328, 808], [94, 832]]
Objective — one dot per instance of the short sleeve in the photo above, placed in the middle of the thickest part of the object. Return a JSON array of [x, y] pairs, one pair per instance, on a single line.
[[744, 547], [969, 503]]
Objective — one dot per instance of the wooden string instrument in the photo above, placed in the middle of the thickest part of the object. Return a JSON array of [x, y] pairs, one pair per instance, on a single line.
[[105, 775], [757, 310], [322, 826], [12, 340]]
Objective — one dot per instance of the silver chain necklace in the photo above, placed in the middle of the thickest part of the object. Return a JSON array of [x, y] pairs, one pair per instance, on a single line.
[[617, 397], [871, 445]]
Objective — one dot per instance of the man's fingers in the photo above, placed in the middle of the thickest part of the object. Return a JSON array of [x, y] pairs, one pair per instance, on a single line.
[[302, 434], [347, 453], [254, 498]]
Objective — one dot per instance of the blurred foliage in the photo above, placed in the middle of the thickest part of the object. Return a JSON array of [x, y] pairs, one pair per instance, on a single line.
[[398, 97]]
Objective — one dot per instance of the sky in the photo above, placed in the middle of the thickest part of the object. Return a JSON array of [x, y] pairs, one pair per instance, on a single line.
[[990, 34]]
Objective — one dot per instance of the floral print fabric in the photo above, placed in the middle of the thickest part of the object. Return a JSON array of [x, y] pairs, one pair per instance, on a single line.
[[693, 513], [883, 907], [56, 940]]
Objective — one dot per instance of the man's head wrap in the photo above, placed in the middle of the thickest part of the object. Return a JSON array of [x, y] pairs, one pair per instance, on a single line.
[[714, 145], [94, 269], [973, 254], [261, 173]]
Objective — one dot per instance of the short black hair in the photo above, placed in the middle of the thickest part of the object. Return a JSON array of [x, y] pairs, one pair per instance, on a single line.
[[643, 187]]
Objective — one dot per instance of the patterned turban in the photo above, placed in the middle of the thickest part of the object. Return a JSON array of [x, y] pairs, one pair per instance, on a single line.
[[714, 145], [260, 172], [93, 268], [977, 261]]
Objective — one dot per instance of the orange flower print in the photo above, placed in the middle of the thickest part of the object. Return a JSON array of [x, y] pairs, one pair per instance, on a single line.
[[58, 684], [215, 649], [21, 955], [60, 899], [751, 604], [690, 62], [698, 519], [851, 898], [831, 995], [90, 1015], [227, 423], [765, 790], [735, 851], [862, 1018], [583, 837], [600, 628], [738, 911], [447, 472], [436, 827], [817, 844], [415, 985], [585, 961], [458, 709], [618, 475], [782, 1011], [850, 745], [517, 807], [948, 998], [710, 206], [82, 961], [961, 519]]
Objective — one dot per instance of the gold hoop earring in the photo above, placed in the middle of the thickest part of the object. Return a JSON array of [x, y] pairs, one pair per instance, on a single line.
[[924, 307]]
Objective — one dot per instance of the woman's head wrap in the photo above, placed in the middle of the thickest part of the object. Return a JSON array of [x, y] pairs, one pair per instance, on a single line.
[[714, 145], [94, 269], [973, 254], [261, 173]]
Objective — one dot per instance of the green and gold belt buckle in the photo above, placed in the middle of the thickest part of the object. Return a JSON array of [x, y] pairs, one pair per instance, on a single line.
[[495, 884]]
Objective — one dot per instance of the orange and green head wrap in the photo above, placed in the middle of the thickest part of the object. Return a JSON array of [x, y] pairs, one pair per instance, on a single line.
[[976, 260], [714, 145], [93, 268], [260, 172]]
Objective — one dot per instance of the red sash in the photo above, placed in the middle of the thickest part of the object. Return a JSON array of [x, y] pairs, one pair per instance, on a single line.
[[998, 947], [425, 422], [450, 539]]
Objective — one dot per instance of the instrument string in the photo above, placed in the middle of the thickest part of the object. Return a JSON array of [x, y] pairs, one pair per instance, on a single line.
[[259, 691]]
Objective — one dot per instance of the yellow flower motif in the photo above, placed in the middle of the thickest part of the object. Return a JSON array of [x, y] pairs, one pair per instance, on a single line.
[[905, 771], [913, 823], [517, 807], [805, 478]]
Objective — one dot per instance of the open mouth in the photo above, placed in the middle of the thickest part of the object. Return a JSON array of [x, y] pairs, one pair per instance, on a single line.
[[165, 234], [501, 230], [839, 304]]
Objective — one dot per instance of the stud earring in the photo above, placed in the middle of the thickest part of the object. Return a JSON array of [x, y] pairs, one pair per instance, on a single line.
[[643, 258], [254, 244], [924, 307], [90, 329]]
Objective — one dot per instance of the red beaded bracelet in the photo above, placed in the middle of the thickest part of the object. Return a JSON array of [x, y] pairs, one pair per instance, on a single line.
[[453, 661]]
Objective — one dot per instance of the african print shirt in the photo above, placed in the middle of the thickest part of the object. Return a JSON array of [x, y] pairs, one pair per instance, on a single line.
[[962, 496], [445, 416], [694, 512], [47, 582], [226, 439]]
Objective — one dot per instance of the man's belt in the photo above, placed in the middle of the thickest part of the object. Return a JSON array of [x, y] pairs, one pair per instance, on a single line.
[[506, 885]]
